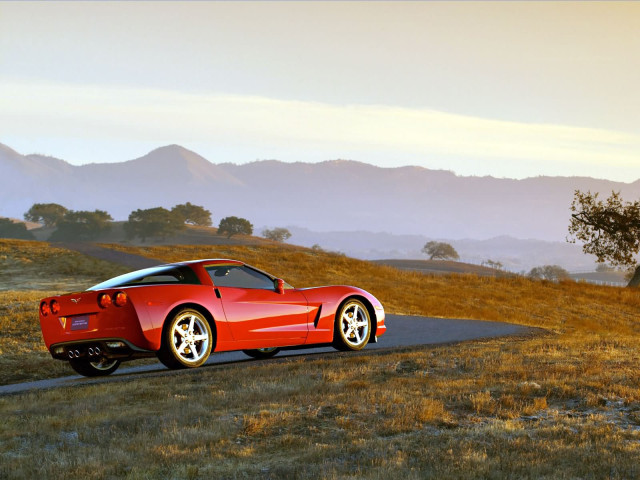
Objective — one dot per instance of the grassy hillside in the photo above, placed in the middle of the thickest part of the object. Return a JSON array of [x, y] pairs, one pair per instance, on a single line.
[[561, 405], [30, 265]]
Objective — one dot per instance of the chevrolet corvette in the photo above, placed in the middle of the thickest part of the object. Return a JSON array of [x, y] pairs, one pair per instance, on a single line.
[[182, 312]]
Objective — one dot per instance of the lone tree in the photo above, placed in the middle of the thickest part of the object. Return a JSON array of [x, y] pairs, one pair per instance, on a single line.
[[609, 229], [277, 234], [82, 225], [234, 225], [493, 264], [440, 250], [193, 214], [549, 272], [152, 222], [48, 214], [11, 229]]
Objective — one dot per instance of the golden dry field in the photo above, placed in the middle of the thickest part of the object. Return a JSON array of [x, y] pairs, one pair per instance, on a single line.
[[565, 404]]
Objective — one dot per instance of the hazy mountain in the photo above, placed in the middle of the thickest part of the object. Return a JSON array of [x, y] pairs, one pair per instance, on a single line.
[[515, 254], [329, 196]]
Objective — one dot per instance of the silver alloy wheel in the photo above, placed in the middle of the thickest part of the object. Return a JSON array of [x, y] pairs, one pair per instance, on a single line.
[[104, 364], [190, 337], [354, 325]]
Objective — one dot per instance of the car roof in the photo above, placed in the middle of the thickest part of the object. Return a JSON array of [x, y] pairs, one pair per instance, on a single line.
[[212, 261]]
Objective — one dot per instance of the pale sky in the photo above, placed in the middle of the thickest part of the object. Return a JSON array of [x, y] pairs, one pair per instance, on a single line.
[[509, 89]]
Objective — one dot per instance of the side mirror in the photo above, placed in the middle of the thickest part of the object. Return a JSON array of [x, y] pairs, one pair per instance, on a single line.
[[279, 286]]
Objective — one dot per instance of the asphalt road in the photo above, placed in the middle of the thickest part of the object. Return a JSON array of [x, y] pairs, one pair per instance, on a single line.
[[402, 331]]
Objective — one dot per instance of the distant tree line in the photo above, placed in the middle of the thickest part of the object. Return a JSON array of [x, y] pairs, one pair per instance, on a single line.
[[157, 222], [11, 229]]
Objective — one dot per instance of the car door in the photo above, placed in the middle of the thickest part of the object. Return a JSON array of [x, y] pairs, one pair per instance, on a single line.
[[256, 313]]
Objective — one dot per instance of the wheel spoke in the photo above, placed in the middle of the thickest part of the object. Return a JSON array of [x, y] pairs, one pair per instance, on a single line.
[[355, 312], [181, 348], [358, 339], [200, 337], [363, 323], [191, 324]]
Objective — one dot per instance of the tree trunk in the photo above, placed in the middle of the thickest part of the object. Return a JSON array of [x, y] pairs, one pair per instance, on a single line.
[[635, 280]]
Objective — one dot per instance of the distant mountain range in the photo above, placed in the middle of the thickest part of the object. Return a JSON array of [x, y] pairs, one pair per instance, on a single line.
[[337, 195]]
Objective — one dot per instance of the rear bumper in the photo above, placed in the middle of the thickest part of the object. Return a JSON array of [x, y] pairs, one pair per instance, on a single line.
[[110, 348]]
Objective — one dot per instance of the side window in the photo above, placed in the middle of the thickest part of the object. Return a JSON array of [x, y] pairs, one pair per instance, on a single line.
[[239, 276]]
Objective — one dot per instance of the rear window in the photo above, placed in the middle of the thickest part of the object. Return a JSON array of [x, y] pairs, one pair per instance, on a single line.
[[165, 275]]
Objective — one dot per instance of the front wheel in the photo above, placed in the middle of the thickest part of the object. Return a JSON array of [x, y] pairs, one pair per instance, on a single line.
[[187, 340], [353, 326], [262, 353], [94, 369]]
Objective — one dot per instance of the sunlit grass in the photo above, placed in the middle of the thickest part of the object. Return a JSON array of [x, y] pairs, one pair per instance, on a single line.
[[564, 404], [30, 265], [441, 412]]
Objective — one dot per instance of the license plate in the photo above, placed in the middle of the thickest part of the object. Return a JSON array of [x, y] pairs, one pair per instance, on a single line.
[[80, 322]]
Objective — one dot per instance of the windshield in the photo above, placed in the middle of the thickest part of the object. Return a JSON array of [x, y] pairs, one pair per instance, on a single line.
[[164, 275]]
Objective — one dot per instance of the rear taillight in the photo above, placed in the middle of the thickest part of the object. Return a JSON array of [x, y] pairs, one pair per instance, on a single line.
[[104, 300], [120, 299], [44, 309], [55, 307]]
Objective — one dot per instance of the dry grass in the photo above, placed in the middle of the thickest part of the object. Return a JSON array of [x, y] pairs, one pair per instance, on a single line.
[[23, 356], [474, 411], [561, 405], [30, 271], [29, 265]]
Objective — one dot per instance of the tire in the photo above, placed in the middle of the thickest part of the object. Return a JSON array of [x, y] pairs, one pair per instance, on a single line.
[[100, 368], [187, 340], [262, 353], [352, 327]]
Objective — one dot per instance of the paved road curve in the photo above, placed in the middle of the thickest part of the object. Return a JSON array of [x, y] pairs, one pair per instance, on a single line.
[[402, 331]]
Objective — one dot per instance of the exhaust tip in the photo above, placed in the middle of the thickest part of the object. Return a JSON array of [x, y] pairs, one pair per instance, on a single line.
[[76, 353], [91, 351], [97, 350], [70, 354]]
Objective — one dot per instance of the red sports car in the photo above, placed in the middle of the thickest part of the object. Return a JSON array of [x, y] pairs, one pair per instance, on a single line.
[[181, 312]]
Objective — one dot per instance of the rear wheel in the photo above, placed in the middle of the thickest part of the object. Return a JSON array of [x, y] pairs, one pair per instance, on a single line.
[[353, 326], [100, 368], [187, 340], [262, 353]]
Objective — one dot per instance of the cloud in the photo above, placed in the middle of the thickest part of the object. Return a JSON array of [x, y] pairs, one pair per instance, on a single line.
[[309, 131]]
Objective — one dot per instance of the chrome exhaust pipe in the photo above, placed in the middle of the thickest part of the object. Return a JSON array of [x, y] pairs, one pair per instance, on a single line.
[[97, 350], [76, 353], [70, 353], [91, 351]]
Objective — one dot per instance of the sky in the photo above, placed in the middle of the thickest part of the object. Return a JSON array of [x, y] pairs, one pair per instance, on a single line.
[[508, 89]]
